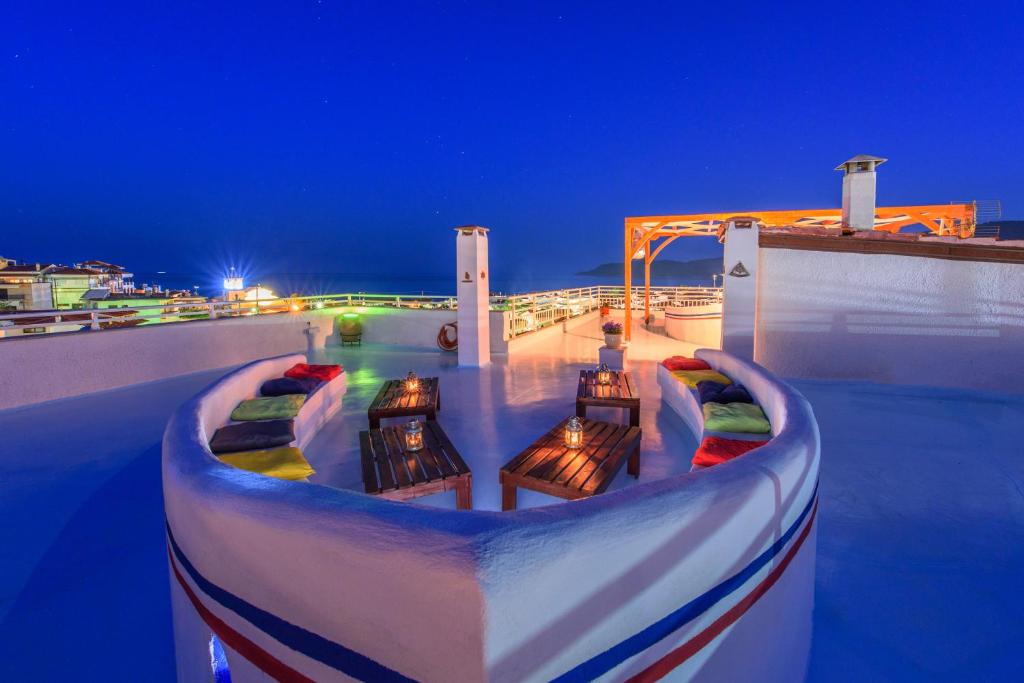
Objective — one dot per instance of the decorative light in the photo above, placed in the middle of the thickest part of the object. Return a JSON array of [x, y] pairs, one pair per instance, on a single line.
[[233, 282], [604, 374], [411, 383], [413, 435], [295, 307], [318, 305], [574, 433]]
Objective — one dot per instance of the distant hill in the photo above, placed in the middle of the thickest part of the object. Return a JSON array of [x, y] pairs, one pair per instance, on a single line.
[[1008, 230], [664, 269]]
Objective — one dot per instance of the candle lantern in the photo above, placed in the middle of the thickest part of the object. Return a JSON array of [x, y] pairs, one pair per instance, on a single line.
[[604, 374], [411, 383], [413, 435], [574, 433]]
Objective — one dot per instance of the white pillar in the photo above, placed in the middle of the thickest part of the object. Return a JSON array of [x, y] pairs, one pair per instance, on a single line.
[[474, 310], [739, 310]]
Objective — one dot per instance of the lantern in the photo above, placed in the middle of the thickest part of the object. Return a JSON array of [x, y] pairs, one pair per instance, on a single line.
[[574, 433], [413, 435], [604, 374], [411, 383]]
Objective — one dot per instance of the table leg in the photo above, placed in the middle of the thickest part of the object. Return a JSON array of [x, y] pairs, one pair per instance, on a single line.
[[508, 497], [634, 416], [464, 494], [633, 467], [374, 422], [581, 409]]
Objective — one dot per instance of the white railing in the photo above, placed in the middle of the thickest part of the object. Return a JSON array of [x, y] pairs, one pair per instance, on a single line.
[[527, 312], [537, 310]]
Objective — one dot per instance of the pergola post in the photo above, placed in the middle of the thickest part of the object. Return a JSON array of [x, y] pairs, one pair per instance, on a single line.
[[628, 269]]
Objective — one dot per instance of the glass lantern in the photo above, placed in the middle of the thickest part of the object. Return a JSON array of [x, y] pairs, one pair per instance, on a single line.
[[574, 433], [411, 384], [413, 435], [604, 374]]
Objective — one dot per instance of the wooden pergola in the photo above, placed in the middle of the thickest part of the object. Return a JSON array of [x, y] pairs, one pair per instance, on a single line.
[[647, 236]]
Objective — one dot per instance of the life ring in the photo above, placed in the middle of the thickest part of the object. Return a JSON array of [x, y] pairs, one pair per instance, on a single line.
[[444, 342]]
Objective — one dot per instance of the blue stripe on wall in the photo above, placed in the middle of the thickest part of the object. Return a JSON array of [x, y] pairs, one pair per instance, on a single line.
[[316, 647], [650, 636]]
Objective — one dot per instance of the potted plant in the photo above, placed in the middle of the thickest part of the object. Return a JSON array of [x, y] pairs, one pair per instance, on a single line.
[[612, 334], [605, 310]]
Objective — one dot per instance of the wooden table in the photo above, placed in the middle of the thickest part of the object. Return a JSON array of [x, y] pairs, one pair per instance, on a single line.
[[621, 393], [393, 401], [548, 466], [392, 472]]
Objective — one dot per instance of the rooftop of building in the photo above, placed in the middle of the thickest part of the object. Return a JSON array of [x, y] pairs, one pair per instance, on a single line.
[[920, 500]]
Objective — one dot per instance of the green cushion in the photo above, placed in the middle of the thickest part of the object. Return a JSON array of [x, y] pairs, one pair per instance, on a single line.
[[271, 408], [742, 418]]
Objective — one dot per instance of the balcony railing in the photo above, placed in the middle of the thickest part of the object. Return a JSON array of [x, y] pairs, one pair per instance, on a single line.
[[526, 312]]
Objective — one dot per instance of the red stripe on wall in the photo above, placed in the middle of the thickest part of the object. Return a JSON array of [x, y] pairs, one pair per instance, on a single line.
[[676, 657], [259, 657]]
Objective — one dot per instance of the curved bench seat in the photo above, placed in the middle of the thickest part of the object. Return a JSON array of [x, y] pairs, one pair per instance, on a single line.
[[708, 575]]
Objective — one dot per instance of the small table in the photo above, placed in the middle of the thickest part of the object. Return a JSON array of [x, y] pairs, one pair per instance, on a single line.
[[548, 466], [392, 472], [393, 401], [621, 393]]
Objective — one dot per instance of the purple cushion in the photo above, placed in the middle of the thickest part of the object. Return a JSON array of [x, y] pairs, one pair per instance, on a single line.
[[252, 436], [283, 386], [715, 392]]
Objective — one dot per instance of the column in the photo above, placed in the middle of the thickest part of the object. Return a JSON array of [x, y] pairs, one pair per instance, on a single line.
[[474, 309], [739, 310]]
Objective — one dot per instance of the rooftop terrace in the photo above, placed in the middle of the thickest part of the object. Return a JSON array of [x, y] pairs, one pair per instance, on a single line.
[[913, 581]]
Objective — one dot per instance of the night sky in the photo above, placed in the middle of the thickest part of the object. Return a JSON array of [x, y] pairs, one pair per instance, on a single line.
[[350, 137]]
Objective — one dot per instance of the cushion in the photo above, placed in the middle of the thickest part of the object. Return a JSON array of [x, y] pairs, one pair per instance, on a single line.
[[283, 463], [714, 450], [249, 436], [692, 378], [271, 408], [282, 386], [716, 392], [742, 418], [324, 373], [683, 363]]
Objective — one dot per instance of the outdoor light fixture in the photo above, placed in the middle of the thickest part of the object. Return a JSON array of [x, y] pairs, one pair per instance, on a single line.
[[413, 435], [574, 433], [318, 305], [295, 308], [411, 383], [604, 374]]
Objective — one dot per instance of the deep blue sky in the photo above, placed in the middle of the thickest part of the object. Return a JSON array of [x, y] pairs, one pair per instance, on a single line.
[[350, 137]]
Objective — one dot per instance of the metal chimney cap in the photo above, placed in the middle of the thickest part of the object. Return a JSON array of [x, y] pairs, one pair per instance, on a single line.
[[859, 158]]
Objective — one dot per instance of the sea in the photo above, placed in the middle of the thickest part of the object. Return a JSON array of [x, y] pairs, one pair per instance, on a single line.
[[313, 284]]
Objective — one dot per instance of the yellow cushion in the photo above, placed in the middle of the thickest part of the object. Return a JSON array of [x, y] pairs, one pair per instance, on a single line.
[[692, 377], [283, 463]]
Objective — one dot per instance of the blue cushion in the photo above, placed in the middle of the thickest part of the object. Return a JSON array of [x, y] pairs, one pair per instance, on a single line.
[[252, 436], [283, 386], [715, 392]]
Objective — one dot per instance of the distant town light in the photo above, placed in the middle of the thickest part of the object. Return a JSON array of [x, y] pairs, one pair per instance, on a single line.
[[233, 282]]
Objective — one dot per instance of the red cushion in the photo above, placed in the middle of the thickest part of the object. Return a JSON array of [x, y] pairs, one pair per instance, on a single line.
[[715, 450], [324, 373], [676, 363]]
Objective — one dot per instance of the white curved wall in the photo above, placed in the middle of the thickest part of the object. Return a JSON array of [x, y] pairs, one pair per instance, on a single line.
[[707, 575], [701, 325]]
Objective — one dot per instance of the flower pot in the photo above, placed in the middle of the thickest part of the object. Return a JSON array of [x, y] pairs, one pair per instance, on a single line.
[[605, 310], [613, 341]]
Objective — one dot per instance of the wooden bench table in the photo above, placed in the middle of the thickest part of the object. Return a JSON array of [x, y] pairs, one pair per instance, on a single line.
[[548, 466], [393, 401], [390, 471], [620, 393]]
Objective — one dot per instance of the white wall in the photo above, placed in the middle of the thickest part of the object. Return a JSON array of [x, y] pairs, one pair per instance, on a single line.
[[891, 318], [700, 325]]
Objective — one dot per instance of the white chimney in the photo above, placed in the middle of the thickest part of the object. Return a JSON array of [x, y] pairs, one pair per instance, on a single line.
[[473, 313], [859, 191]]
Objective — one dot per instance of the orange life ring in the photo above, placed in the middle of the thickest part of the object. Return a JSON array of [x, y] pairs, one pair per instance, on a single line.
[[444, 342]]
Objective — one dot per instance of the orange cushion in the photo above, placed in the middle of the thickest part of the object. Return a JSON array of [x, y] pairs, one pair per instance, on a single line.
[[324, 373], [715, 450], [683, 363]]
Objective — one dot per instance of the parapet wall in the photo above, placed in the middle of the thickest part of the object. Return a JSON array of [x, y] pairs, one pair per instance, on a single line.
[[709, 575], [906, 318]]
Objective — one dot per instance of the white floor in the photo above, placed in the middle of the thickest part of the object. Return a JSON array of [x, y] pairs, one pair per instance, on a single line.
[[919, 545]]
